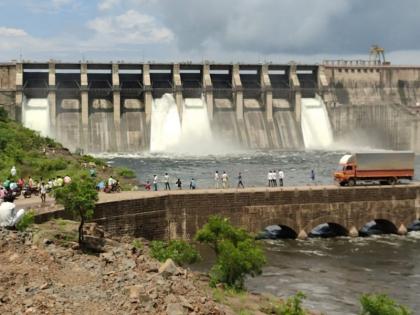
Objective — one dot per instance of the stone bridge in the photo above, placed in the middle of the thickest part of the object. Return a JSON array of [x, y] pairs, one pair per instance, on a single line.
[[179, 214]]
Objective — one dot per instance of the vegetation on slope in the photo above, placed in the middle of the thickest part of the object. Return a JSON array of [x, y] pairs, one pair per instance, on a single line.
[[38, 156]]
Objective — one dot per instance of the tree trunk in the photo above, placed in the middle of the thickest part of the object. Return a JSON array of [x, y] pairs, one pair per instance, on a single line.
[[82, 222]]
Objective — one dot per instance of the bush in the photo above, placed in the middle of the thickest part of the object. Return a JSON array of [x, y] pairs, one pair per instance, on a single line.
[[137, 244], [179, 251], [237, 253], [27, 220], [381, 304], [3, 114], [126, 172], [292, 306]]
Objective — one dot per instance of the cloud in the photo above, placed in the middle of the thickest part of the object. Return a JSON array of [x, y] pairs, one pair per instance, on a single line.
[[104, 5], [292, 26], [131, 27], [12, 32]]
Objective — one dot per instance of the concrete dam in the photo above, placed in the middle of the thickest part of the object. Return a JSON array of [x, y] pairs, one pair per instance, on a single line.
[[133, 107]]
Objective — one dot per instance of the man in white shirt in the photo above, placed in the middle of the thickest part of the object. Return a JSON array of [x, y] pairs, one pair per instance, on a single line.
[[166, 178], [281, 177], [225, 179], [155, 182], [216, 179]]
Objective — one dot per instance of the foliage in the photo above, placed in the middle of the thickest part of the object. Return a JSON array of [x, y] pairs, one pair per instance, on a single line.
[[179, 251], [3, 114], [237, 253], [26, 221], [91, 159], [292, 306], [137, 244], [126, 172], [78, 198], [381, 304]]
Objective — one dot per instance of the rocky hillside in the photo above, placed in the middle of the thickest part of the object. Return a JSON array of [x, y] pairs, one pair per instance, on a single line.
[[43, 272]]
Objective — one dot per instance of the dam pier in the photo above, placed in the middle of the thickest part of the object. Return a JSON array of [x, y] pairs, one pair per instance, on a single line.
[[110, 107]]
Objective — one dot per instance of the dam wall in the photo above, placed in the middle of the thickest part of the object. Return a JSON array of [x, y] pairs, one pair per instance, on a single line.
[[107, 107]]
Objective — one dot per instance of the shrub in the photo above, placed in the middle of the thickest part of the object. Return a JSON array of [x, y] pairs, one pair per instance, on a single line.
[[381, 304], [237, 253], [3, 114], [126, 172], [292, 306], [137, 244], [27, 220], [78, 198], [179, 251]]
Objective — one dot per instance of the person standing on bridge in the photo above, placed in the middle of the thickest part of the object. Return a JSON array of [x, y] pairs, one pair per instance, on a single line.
[[179, 184], [281, 177], [155, 182], [312, 175], [193, 184], [269, 178], [216, 179], [225, 179], [240, 183], [166, 179]]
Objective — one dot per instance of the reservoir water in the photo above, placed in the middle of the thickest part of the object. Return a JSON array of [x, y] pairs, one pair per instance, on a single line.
[[333, 273]]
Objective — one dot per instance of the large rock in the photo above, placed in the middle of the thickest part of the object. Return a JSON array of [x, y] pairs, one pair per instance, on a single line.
[[176, 309], [169, 269]]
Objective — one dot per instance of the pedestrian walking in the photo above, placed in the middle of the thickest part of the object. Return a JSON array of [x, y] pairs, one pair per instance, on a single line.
[[216, 180], [155, 182], [240, 182], [281, 178], [225, 178], [179, 184], [166, 179]]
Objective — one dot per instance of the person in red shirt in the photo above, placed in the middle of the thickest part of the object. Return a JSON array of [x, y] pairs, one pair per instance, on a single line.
[[147, 186], [21, 183]]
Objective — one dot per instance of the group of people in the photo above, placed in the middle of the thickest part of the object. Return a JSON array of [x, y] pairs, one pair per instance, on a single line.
[[166, 181], [222, 181], [13, 186], [275, 178]]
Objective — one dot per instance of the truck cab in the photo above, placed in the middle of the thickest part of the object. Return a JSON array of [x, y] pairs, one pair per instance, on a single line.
[[346, 171]]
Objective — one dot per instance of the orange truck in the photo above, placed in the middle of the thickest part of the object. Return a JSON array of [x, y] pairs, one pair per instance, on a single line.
[[383, 167]]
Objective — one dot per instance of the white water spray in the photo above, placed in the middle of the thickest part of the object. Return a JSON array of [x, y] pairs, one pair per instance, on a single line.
[[316, 126], [166, 126], [36, 115]]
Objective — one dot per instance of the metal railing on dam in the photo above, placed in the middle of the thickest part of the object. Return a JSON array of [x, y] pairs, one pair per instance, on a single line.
[[179, 214]]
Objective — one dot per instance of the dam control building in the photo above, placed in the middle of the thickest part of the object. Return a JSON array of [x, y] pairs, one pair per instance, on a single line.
[[109, 107]]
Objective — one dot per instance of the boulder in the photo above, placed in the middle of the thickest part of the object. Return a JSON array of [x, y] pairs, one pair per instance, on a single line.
[[168, 268], [175, 309]]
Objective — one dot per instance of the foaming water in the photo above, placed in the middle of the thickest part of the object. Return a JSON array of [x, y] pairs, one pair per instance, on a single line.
[[316, 126], [36, 115], [166, 125]]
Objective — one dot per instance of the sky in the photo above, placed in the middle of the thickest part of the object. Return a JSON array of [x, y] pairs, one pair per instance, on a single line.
[[213, 30]]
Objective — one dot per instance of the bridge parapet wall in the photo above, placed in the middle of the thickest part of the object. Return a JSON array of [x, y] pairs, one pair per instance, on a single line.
[[181, 214]]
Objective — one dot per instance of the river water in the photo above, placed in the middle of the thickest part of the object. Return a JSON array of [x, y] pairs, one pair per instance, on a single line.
[[333, 273]]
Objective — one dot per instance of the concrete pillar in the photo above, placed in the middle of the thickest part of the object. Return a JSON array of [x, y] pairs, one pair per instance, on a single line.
[[177, 85], [238, 92], [16, 112], [353, 232], [295, 86], [84, 98], [52, 99], [147, 84], [208, 90], [323, 86], [268, 92], [117, 104], [402, 230], [302, 235]]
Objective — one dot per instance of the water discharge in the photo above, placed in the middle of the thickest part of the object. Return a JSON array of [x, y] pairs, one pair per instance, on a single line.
[[166, 125], [316, 126], [36, 115]]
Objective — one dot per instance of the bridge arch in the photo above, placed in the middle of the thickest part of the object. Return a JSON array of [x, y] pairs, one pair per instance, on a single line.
[[285, 223], [334, 221], [384, 225]]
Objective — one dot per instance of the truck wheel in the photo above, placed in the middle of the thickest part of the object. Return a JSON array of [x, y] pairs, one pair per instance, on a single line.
[[351, 182], [392, 181]]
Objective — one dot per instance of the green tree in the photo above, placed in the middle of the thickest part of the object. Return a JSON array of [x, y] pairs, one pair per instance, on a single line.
[[237, 253], [79, 199], [179, 251], [381, 304]]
